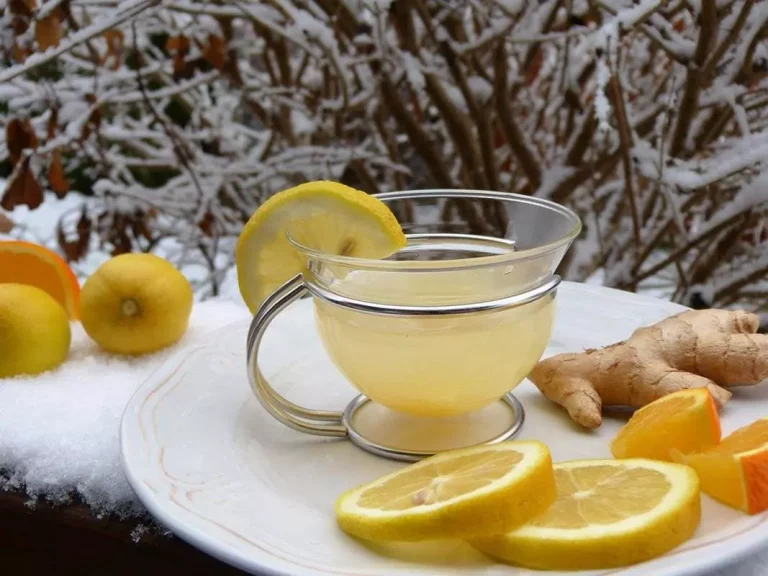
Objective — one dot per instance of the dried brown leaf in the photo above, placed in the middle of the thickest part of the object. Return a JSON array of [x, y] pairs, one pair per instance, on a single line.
[[69, 249], [21, 15], [18, 53], [214, 52], [94, 120], [118, 234], [121, 243], [83, 234], [76, 249], [19, 135], [179, 44], [186, 68], [52, 122], [48, 31], [56, 178], [232, 70], [6, 224], [206, 224], [140, 228], [115, 48], [535, 67], [23, 189]]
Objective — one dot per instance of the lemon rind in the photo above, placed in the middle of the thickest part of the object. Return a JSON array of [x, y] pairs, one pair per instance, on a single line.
[[684, 486], [532, 458]]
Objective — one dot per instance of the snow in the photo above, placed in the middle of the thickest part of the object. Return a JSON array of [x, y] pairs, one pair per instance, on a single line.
[[481, 89], [551, 178], [743, 153], [59, 431], [602, 105], [413, 71], [749, 196], [739, 274], [302, 124], [512, 7]]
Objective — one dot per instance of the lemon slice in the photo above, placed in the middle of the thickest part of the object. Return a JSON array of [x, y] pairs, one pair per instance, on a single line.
[[326, 216], [608, 513], [457, 494]]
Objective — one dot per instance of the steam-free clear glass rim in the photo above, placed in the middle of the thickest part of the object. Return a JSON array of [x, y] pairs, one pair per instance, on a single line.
[[455, 264]]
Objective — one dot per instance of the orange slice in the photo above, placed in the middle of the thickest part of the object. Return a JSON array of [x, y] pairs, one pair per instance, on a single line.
[[685, 421], [28, 263], [735, 472]]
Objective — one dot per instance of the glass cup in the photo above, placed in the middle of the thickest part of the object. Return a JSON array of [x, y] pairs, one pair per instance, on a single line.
[[449, 324]]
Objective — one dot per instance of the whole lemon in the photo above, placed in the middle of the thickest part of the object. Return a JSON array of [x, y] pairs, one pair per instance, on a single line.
[[34, 331], [135, 304]]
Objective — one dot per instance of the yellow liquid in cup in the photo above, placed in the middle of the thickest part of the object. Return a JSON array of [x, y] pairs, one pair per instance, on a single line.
[[432, 366]]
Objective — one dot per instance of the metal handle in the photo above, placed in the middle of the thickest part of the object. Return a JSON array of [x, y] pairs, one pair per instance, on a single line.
[[317, 422]]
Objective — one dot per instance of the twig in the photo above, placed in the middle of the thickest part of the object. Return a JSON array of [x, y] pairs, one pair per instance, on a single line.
[[730, 38], [479, 114], [512, 133], [671, 48], [685, 248], [457, 126], [694, 77], [456, 122], [266, 24], [625, 145], [181, 153], [421, 140], [126, 11], [604, 164], [580, 143]]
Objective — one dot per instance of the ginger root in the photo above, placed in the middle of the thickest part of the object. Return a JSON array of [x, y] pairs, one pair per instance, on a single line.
[[693, 349]]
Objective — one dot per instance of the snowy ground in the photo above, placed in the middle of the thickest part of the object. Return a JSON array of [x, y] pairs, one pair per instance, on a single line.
[[59, 431]]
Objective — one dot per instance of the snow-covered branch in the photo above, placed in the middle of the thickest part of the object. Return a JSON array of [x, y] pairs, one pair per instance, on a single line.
[[648, 117]]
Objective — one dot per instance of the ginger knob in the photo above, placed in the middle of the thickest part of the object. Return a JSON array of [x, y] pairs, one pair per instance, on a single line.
[[716, 349]]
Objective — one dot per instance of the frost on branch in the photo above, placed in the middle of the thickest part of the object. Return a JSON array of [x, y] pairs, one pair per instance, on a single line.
[[648, 117]]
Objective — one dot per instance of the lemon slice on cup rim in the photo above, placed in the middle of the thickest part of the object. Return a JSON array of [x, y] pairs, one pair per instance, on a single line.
[[328, 216]]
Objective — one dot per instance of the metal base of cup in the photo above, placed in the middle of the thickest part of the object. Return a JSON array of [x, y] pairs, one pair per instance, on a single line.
[[409, 455]]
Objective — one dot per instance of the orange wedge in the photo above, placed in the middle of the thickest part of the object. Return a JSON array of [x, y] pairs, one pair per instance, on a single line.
[[28, 263], [735, 472], [684, 421]]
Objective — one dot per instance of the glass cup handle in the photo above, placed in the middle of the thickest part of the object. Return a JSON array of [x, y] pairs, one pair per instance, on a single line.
[[318, 422]]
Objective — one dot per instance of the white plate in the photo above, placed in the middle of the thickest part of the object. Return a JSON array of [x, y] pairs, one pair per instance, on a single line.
[[211, 465]]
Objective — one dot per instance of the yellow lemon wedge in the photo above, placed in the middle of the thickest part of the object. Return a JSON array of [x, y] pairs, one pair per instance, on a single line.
[[458, 494], [326, 216], [608, 514]]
